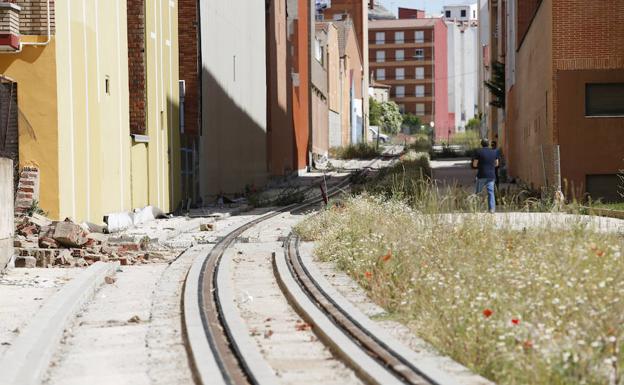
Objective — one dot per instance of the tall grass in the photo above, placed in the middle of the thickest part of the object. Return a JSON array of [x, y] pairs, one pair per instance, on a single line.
[[542, 306], [355, 151]]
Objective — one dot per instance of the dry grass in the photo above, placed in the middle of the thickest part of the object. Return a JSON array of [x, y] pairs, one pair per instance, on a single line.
[[355, 151], [540, 306]]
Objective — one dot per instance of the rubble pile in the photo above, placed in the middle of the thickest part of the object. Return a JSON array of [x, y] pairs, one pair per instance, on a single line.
[[41, 242]]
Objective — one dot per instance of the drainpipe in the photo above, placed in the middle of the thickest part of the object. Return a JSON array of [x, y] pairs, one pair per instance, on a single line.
[[44, 43]]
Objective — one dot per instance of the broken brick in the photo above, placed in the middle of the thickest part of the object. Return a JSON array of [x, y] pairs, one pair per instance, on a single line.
[[69, 234], [27, 262]]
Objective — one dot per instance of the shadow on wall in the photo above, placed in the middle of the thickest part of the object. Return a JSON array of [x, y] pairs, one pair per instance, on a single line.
[[233, 150]]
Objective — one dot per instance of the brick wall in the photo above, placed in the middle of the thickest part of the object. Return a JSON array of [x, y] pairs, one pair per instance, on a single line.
[[188, 35], [9, 19], [27, 190], [34, 16], [136, 65], [588, 34]]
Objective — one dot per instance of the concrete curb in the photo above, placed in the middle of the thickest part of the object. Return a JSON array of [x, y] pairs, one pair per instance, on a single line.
[[247, 349], [28, 359], [365, 366], [202, 356], [442, 370]]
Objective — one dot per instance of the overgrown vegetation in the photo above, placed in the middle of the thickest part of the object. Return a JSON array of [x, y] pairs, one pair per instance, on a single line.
[[355, 151], [534, 304], [497, 84], [385, 115], [538, 305], [412, 123]]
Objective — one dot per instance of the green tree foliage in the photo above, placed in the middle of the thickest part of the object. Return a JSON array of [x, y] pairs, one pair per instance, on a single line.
[[374, 112], [412, 122], [391, 118], [497, 84], [473, 124]]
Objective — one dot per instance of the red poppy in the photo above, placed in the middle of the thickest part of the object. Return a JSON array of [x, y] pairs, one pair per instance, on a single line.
[[515, 321], [599, 253], [487, 313], [368, 274], [387, 257], [528, 344]]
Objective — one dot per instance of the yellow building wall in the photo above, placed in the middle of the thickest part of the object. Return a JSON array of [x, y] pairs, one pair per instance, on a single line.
[[93, 117], [161, 56], [74, 116], [34, 70]]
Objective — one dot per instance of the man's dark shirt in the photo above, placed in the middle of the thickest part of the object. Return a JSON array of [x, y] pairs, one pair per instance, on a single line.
[[487, 163]]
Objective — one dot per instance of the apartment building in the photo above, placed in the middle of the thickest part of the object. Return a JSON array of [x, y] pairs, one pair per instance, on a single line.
[[68, 64], [410, 55], [564, 65]]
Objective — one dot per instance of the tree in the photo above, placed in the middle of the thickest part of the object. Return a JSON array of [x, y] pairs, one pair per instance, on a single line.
[[473, 124], [497, 84], [412, 122], [374, 112], [391, 118]]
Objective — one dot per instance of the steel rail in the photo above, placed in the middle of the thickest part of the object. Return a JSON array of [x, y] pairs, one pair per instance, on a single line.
[[212, 342]]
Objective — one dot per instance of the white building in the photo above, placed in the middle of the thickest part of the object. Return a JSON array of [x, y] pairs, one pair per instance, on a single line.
[[463, 62], [467, 12]]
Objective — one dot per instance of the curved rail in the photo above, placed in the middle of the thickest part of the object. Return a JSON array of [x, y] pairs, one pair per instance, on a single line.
[[220, 351]]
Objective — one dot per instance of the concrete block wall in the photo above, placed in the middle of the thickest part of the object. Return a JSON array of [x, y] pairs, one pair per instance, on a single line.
[[6, 211]]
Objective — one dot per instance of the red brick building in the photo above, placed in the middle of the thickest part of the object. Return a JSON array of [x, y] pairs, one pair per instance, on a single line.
[[410, 55], [565, 71]]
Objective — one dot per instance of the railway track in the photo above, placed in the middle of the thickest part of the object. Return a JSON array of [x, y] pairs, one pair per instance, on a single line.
[[219, 345]]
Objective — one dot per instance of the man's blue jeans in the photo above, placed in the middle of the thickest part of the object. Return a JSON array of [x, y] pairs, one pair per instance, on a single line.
[[489, 186]]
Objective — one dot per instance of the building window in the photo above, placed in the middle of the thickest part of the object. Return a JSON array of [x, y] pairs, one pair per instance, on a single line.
[[402, 108], [448, 14], [419, 36], [604, 99], [420, 109], [420, 73], [463, 13], [381, 56], [399, 91], [380, 38], [400, 73], [318, 51], [419, 54], [474, 14], [399, 37], [381, 74], [420, 91], [400, 55]]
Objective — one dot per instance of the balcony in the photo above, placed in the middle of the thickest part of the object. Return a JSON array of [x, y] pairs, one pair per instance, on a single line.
[[9, 26]]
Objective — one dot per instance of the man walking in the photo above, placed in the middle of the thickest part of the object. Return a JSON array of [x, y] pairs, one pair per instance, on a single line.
[[486, 161]]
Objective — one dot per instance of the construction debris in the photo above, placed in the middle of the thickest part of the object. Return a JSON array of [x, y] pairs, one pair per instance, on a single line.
[[41, 242]]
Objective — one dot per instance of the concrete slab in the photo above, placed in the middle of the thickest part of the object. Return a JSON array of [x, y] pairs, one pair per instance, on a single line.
[[28, 358]]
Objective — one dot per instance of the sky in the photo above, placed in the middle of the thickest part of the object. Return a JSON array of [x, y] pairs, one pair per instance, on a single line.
[[433, 7]]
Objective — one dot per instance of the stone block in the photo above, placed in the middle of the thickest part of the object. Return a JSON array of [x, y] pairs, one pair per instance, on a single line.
[[69, 234], [26, 262]]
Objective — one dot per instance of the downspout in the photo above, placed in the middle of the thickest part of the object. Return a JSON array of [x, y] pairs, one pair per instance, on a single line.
[[44, 43]]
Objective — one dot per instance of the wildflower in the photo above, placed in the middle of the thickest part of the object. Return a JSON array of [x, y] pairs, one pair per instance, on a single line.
[[368, 274], [487, 313], [528, 344], [387, 257], [515, 321], [599, 253]]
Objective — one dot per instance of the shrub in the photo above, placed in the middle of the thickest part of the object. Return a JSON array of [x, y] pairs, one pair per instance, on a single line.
[[355, 151]]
